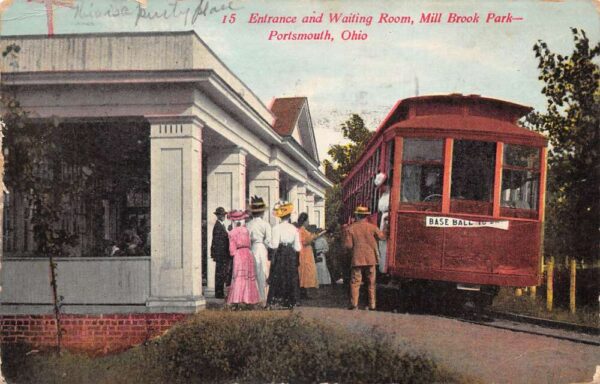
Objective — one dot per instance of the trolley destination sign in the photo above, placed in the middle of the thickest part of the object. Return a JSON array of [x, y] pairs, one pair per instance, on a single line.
[[452, 222]]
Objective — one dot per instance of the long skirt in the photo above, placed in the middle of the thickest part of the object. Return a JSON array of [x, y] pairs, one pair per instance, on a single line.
[[261, 264], [382, 256], [284, 288], [243, 286], [307, 270], [323, 272]]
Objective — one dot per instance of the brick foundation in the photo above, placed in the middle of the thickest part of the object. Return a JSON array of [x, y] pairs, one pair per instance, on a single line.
[[96, 334]]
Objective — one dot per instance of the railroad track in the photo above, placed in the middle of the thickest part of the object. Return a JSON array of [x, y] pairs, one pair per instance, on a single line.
[[509, 321], [534, 326]]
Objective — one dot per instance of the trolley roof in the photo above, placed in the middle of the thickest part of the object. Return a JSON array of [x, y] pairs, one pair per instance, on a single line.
[[460, 112], [456, 115]]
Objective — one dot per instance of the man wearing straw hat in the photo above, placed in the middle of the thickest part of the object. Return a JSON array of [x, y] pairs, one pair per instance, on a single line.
[[361, 237]]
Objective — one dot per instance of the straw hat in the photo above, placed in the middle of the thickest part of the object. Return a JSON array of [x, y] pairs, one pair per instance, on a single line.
[[283, 208], [257, 204], [237, 215], [362, 211]]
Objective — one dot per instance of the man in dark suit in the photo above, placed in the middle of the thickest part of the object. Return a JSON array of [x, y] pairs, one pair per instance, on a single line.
[[219, 252], [361, 237]]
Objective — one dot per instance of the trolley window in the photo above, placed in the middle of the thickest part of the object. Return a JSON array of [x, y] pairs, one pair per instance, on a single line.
[[472, 176], [422, 171], [473, 170], [374, 191], [520, 179], [390, 161]]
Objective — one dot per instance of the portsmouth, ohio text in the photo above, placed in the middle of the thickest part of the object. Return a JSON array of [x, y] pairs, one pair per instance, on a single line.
[[324, 35]]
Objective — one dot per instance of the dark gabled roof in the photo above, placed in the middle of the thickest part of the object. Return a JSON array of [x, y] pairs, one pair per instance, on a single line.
[[286, 111]]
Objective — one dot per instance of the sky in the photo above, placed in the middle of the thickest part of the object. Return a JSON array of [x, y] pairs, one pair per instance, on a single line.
[[390, 61]]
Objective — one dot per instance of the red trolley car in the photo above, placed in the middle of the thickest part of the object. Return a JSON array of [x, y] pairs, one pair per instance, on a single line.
[[467, 191]]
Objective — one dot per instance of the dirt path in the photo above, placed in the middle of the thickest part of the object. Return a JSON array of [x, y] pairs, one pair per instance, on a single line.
[[493, 355]]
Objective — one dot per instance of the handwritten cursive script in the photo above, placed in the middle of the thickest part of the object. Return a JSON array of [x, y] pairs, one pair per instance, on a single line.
[[175, 11], [189, 12]]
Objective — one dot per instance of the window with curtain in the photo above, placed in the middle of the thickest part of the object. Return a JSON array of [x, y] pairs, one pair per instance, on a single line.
[[520, 177]]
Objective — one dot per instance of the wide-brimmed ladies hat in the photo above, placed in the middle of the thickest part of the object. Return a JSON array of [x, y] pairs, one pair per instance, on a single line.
[[362, 211], [257, 204], [380, 179], [237, 215], [282, 209]]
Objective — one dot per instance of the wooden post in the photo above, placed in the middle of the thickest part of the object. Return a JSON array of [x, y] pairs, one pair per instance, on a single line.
[[572, 286], [549, 283]]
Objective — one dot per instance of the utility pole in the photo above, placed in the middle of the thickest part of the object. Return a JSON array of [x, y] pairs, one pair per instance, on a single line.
[[416, 86]]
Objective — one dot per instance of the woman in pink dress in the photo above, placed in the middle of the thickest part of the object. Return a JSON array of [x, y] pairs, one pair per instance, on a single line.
[[243, 286]]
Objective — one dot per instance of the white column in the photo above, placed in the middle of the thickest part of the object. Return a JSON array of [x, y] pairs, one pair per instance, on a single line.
[[264, 182], [310, 207], [298, 198], [319, 212], [176, 215], [226, 184]]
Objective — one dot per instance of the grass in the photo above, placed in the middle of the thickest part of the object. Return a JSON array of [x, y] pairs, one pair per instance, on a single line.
[[245, 346], [536, 306]]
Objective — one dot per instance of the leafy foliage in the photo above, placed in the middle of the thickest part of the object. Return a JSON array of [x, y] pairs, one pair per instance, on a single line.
[[572, 123], [242, 347], [345, 155], [62, 169]]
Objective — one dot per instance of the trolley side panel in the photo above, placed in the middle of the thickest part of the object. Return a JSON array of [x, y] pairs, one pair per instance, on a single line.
[[416, 245], [468, 255]]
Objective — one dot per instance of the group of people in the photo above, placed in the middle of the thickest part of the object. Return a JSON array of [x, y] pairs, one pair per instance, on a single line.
[[271, 266], [276, 266]]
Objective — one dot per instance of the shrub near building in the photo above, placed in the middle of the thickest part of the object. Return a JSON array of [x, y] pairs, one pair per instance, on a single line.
[[217, 346], [283, 347]]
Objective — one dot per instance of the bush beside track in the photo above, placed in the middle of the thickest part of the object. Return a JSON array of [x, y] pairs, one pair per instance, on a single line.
[[224, 347]]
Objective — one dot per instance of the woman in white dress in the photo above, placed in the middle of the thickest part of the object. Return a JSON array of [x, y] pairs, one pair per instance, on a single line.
[[383, 206], [260, 234], [321, 248], [284, 286]]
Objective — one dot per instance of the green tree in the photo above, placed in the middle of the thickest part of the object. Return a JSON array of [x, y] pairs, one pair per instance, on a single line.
[[571, 122], [343, 158], [345, 155]]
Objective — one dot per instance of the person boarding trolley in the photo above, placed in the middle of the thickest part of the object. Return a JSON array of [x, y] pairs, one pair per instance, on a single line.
[[361, 237], [383, 206]]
